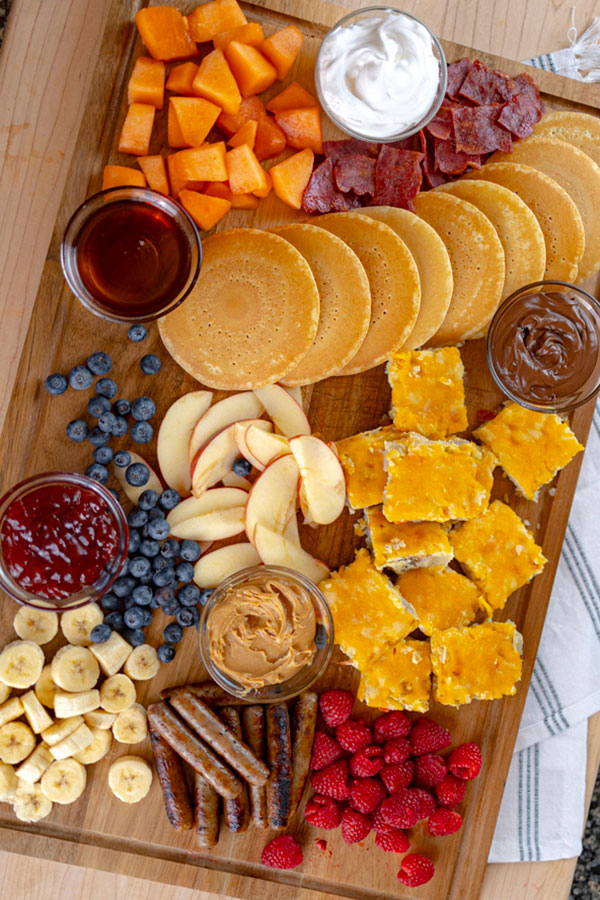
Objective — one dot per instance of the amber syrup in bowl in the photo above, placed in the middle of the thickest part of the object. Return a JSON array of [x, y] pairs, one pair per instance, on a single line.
[[130, 254]]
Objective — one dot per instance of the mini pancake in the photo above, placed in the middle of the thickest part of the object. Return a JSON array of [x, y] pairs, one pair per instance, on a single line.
[[557, 215], [345, 301], [578, 174], [477, 260], [433, 263], [393, 280], [251, 316], [516, 226], [579, 129]]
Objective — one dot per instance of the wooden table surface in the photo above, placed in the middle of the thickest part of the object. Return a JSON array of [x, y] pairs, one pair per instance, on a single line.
[[46, 61]]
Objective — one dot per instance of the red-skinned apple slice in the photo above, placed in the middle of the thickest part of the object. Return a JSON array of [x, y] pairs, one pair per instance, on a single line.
[[211, 501], [173, 442], [214, 460], [288, 416], [308, 519], [277, 550], [322, 478], [212, 526], [239, 434], [264, 447], [237, 481], [295, 392], [232, 409], [213, 567], [133, 493], [272, 500]]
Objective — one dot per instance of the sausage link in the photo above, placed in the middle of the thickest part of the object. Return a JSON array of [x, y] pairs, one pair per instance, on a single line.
[[236, 811], [305, 720], [173, 784], [207, 813], [279, 755], [207, 691], [253, 726]]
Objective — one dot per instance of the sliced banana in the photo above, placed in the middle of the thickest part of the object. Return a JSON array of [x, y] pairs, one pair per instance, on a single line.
[[131, 726], [75, 669], [31, 804], [129, 778], [61, 730], [11, 710], [21, 664], [38, 625], [45, 689], [98, 718], [4, 692], [78, 740], [96, 750], [36, 764], [16, 742], [64, 781], [117, 693], [35, 713], [77, 624], [67, 705], [8, 783], [143, 663], [112, 653]]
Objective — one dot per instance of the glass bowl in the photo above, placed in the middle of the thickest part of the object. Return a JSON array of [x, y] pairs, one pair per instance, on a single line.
[[404, 130], [522, 329], [300, 680], [112, 566]]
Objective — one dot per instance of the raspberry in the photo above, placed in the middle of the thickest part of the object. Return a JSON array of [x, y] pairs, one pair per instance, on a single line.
[[485, 415], [332, 781], [402, 809], [283, 852], [397, 750], [415, 870], [397, 775], [444, 821], [378, 820], [367, 762], [322, 812], [355, 826], [353, 735], [367, 794], [429, 769], [391, 725], [426, 802], [325, 750], [450, 791], [427, 737], [393, 840], [465, 761], [336, 706]]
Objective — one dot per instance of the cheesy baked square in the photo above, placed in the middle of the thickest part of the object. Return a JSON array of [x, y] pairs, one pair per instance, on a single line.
[[428, 394], [440, 598], [400, 679], [361, 457], [404, 545]]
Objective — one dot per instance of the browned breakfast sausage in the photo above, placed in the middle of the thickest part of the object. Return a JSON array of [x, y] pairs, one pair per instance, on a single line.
[[173, 784], [253, 727], [220, 738], [207, 691], [305, 720], [236, 811], [279, 755], [194, 751], [207, 813]]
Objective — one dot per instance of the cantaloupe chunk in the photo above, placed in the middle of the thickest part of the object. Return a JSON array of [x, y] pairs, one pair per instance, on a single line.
[[204, 209], [175, 136], [252, 71], [121, 176], [265, 191], [291, 176], [215, 17], [245, 135], [181, 78], [294, 96], [244, 171], [155, 171], [250, 108], [282, 48], [238, 201], [214, 81], [195, 116], [137, 129], [270, 140], [302, 128], [193, 167], [251, 33], [147, 82], [164, 31], [175, 180]]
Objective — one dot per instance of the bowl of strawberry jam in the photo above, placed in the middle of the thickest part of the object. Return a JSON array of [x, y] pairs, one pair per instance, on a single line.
[[63, 540], [130, 254]]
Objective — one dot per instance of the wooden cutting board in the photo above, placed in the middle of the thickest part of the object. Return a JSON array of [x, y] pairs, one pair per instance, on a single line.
[[100, 830]]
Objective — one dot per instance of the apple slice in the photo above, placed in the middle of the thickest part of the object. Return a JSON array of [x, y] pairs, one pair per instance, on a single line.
[[239, 434], [172, 446], [272, 500], [323, 488], [214, 460], [213, 567], [281, 407], [237, 481], [212, 526], [296, 393], [276, 550], [133, 493], [211, 501], [264, 447], [308, 519], [232, 409]]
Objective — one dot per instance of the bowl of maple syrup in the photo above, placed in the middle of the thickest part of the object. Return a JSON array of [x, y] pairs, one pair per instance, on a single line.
[[130, 254]]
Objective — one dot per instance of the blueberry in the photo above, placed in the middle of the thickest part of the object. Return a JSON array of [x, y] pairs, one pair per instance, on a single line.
[[170, 549], [133, 617], [97, 438], [103, 455], [137, 474], [147, 616], [77, 430], [106, 422], [114, 494], [156, 513], [173, 633], [110, 602], [166, 653], [120, 426], [171, 608], [128, 602], [142, 432], [150, 364], [205, 596], [154, 604], [321, 637], [114, 620], [189, 551], [122, 459], [99, 363], [184, 572], [100, 633], [149, 548], [106, 387], [147, 499], [134, 541], [143, 408], [138, 567], [56, 384], [188, 595], [137, 517], [97, 473], [134, 636], [121, 407], [136, 333], [188, 616], [146, 579], [159, 529], [97, 405], [80, 378], [169, 499], [164, 577], [242, 467], [124, 585], [164, 595], [159, 562]]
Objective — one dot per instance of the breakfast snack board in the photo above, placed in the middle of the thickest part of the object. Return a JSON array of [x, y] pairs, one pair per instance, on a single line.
[[98, 831]]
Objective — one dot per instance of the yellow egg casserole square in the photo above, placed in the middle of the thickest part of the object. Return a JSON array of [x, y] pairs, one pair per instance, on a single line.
[[361, 457], [482, 662], [531, 446], [436, 481], [403, 545], [368, 614], [428, 393], [440, 598], [400, 679], [497, 552]]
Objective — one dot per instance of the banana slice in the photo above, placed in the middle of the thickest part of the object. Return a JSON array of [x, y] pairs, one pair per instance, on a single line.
[[117, 693], [21, 664], [111, 654], [77, 624], [4, 692], [143, 663], [74, 669], [16, 742], [31, 804], [96, 750], [36, 764], [98, 718], [38, 625], [60, 730], [8, 783], [64, 781], [131, 726], [35, 713], [67, 705], [44, 688], [78, 740], [129, 778], [11, 710]]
